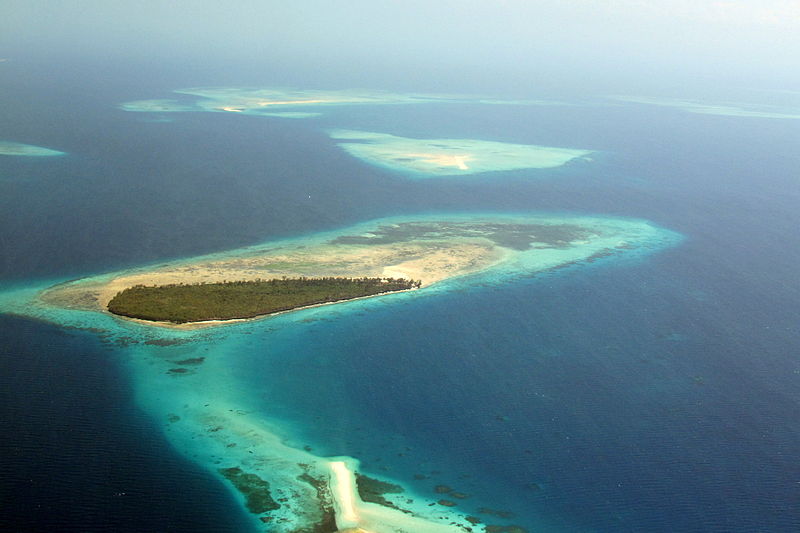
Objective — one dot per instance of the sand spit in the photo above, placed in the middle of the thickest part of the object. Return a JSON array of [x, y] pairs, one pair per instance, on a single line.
[[283, 488], [354, 514]]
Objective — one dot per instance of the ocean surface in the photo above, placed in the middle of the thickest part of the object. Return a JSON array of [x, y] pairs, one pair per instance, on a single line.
[[659, 393]]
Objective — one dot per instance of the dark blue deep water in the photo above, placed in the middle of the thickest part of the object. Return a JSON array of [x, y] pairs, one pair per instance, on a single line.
[[77, 455], [659, 395]]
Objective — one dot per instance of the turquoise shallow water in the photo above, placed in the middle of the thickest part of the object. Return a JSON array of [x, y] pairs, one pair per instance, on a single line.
[[195, 383], [653, 393]]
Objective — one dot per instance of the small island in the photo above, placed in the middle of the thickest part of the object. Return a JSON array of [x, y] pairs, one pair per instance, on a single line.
[[425, 158], [231, 300]]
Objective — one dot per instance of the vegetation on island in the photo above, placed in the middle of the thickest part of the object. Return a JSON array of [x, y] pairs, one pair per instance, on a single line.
[[227, 300]]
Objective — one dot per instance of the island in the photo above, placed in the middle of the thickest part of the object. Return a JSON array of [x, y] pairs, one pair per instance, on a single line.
[[432, 250], [233, 300], [447, 157], [189, 376]]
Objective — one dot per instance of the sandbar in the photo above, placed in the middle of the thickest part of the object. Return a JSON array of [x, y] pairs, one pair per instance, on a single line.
[[353, 513]]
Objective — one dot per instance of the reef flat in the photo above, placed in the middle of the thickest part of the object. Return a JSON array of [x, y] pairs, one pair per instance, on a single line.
[[729, 109], [157, 105], [429, 249], [265, 101], [447, 157], [184, 378], [173, 106], [28, 150]]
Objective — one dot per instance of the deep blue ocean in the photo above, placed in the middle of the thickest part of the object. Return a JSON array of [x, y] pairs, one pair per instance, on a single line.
[[659, 394]]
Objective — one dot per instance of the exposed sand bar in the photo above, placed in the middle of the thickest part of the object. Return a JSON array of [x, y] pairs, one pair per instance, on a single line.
[[344, 494], [353, 513]]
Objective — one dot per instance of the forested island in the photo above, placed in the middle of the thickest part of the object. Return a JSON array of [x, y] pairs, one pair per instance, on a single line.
[[229, 300]]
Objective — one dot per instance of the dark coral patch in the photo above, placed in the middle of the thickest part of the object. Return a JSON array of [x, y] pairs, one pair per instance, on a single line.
[[506, 529], [373, 490], [327, 522], [496, 512], [255, 490], [166, 342], [191, 361]]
